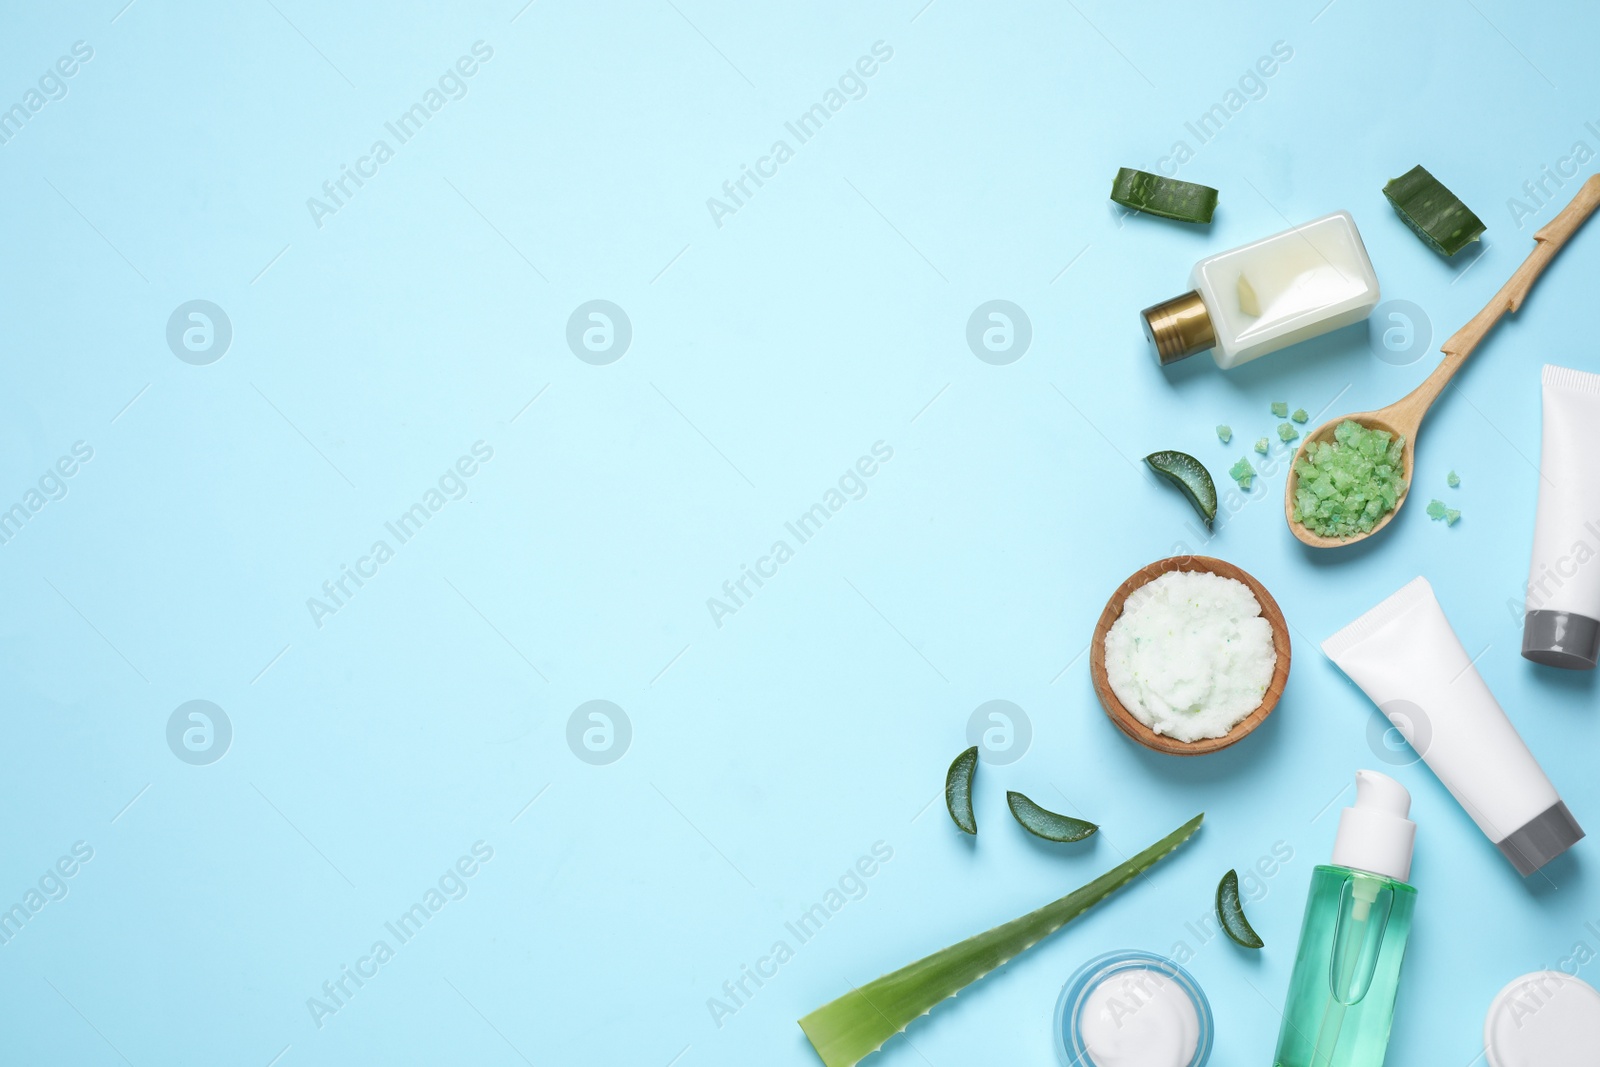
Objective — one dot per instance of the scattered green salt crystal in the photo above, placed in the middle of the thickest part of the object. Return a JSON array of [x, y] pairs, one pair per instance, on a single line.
[[1437, 511], [1262, 446], [1225, 433], [1454, 480], [1348, 486], [1280, 408], [1243, 473], [1287, 432], [1300, 415]]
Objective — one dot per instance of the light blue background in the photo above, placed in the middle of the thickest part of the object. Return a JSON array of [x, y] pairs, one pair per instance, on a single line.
[[768, 354]]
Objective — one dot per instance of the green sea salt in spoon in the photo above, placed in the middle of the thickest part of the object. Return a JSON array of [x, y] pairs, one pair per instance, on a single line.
[[1348, 486]]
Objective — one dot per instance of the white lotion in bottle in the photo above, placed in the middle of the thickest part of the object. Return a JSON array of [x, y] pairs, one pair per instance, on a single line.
[[1264, 296]]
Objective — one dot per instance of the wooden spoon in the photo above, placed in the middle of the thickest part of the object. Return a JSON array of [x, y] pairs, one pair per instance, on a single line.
[[1404, 416]]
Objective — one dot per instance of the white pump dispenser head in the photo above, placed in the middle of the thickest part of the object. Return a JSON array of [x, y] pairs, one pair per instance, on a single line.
[[1375, 835]]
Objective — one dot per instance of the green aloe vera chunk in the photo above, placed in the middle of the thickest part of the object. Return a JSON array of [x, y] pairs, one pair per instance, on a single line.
[[1243, 472], [1230, 912], [1287, 432], [1433, 212], [847, 1030], [1047, 824], [958, 790], [1280, 408], [1225, 433], [1190, 475], [1262, 446], [1166, 197]]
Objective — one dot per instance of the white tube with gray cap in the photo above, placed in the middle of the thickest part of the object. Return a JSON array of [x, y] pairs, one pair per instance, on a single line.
[[1406, 658], [1561, 626]]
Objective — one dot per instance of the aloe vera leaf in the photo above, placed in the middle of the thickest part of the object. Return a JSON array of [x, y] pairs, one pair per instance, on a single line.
[[1433, 212], [1191, 476], [1230, 912], [958, 790], [1047, 824], [846, 1030], [1166, 197]]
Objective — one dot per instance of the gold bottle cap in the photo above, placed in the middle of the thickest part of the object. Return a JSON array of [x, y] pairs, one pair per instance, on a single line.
[[1179, 327]]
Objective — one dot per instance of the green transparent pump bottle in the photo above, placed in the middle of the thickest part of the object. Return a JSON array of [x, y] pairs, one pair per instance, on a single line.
[[1347, 969]]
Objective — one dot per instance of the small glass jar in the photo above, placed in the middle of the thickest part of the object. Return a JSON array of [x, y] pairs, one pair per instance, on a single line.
[[1129, 995]]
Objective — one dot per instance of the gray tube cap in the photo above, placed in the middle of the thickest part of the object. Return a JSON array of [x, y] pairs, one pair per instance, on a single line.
[[1545, 837], [1561, 639]]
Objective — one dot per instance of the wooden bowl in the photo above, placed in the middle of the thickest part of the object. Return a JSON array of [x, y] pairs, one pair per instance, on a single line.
[[1125, 720]]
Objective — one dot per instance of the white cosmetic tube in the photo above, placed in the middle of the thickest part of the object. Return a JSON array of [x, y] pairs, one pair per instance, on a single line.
[[1406, 658], [1561, 627]]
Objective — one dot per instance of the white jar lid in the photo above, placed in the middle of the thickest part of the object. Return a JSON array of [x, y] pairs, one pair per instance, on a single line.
[[1543, 1019]]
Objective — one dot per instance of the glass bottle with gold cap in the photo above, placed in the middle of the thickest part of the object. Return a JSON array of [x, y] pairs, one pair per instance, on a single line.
[[1268, 295]]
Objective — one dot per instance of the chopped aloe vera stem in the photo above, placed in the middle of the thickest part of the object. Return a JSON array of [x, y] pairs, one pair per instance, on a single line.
[[847, 1030], [958, 790], [1436, 510], [1280, 409], [1300, 416], [1190, 475], [1454, 479], [1433, 212], [1450, 516], [1262, 445], [1243, 472], [1166, 197], [1287, 432], [1249, 303], [1230, 912], [1348, 486], [1225, 434], [1047, 824]]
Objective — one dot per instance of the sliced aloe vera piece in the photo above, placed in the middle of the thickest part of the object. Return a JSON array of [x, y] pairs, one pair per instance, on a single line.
[[1188, 474], [958, 790], [1444, 223], [846, 1030], [1166, 197], [1230, 912], [1047, 824]]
